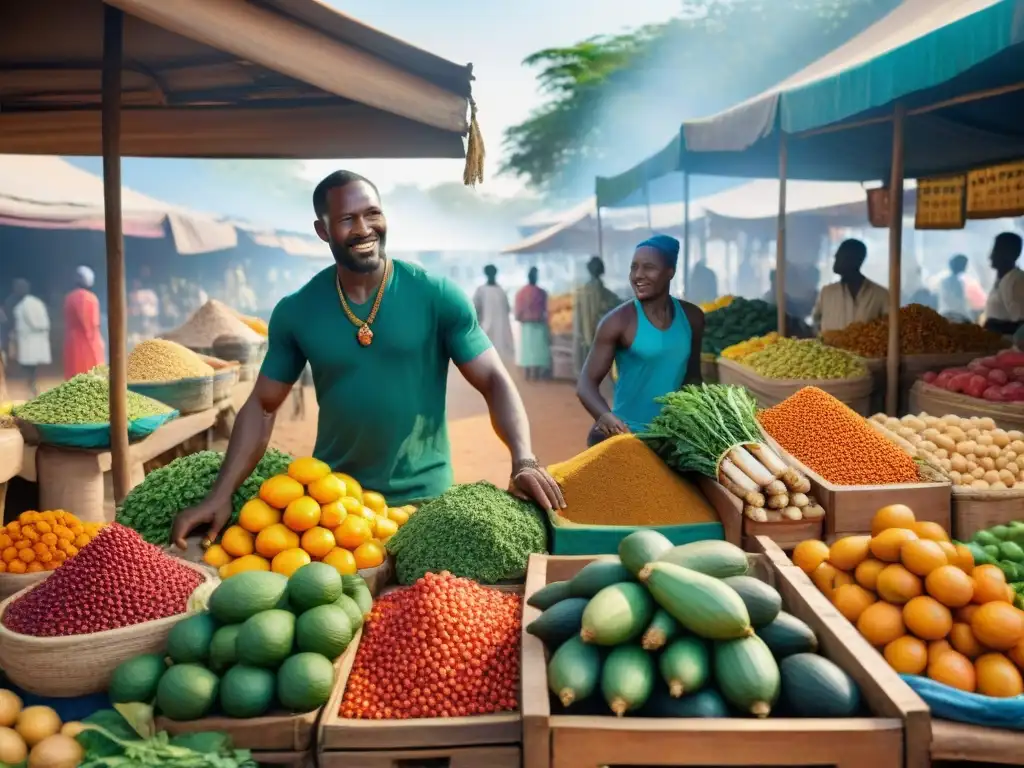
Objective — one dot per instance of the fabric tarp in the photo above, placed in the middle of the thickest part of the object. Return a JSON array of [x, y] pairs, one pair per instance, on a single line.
[[925, 52]]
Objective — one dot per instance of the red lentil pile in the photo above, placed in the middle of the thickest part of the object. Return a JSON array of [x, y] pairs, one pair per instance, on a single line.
[[116, 580], [835, 441], [444, 647]]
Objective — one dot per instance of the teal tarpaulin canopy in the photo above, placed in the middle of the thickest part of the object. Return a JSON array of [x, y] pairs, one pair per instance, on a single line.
[[930, 55]]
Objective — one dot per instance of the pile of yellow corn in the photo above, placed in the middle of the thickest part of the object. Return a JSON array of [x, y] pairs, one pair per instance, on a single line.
[[750, 346], [719, 303]]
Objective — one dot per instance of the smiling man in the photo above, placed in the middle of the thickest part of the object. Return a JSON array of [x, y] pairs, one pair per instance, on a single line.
[[379, 335], [653, 340]]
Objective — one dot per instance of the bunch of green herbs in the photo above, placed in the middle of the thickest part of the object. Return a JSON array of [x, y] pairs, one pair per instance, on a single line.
[[477, 531], [84, 399], [698, 424]]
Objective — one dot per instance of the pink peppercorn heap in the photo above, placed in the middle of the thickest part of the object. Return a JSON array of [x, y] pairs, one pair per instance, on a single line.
[[116, 580]]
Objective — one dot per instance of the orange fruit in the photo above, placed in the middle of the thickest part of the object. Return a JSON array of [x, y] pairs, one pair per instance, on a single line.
[[953, 669], [341, 560], [936, 648], [851, 600], [966, 613], [368, 514], [327, 489], [257, 515], [317, 541], [950, 586], [926, 529], [352, 532], [369, 554], [307, 470], [375, 501], [274, 539], [383, 528], [216, 556], [867, 573], [907, 655], [964, 558], [881, 623], [399, 515], [892, 516], [809, 554], [927, 618], [949, 550], [352, 486], [1016, 655], [897, 585], [998, 625], [922, 556], [280, 490], [332, 514], [237, 541], [989, 585], [302, 514], [827, 578], [962, 638], [16, 566], [289, 561], [997, 676], [849, 552], [887, 544]]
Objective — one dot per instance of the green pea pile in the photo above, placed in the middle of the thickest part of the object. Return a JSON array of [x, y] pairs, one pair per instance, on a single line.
[[150, 508], [805, 359], [476, 531], [84, 399]]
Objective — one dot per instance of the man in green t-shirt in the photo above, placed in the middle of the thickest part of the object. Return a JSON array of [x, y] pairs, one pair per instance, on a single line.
[[379, 336]]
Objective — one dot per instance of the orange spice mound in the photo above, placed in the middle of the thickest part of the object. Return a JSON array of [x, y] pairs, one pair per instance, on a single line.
[[835, 441], [621, 481]]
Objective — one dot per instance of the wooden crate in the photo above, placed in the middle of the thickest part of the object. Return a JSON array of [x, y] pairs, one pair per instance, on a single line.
[[850, 508], [899, 730], [287, 759], [454, 757], [742, 531], [975, 511], [972, 744], [367, 743]]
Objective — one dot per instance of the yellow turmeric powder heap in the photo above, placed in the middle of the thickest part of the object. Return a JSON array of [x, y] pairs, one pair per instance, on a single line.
[[623, 482]]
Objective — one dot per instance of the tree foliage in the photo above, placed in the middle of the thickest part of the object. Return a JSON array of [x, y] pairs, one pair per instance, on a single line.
[[612, 96]]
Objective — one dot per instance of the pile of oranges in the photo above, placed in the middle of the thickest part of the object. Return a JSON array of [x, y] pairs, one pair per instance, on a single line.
[[310, 513], [41, 541], [918, 597]]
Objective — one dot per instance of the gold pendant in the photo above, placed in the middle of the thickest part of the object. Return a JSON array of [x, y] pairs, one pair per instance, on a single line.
[[364, 335]]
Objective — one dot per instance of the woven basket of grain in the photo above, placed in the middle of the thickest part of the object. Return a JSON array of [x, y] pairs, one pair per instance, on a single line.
[[184, 395], [225, 376], [78, 665], [855, 392]]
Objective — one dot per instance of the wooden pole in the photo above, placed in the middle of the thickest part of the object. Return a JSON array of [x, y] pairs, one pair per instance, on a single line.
[[686, 233], [113, 51], [647, 203], [892, 366], [600, 234], [780, 238]]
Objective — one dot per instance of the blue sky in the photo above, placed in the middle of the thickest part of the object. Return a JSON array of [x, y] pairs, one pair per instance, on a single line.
[[495, 37]]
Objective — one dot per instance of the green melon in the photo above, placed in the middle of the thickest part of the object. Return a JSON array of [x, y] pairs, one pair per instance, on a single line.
[[265, 640], [136, 679], [247, 691], [325, 629], [313, 585], [186, 692], [304, 682]]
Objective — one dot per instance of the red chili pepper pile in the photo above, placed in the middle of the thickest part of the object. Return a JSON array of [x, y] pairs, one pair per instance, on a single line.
[[444, 647], [116, 580]]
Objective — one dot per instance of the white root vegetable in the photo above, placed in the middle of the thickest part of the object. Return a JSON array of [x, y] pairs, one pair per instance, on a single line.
[[750, 466], [792, 513], [799, 500], [768, 458], [800, 485], [775, 488], [733, 472], [752, 497], [774, 516], [781, 501], [813, 512], [757, 514]]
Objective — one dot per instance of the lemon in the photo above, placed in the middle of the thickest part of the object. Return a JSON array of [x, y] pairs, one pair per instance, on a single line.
[[237, 541], [341, 560], [281, 490], [216, 556], [289, 561], [318, 541], [332, 514], [275, 539], [327, 489], [308, 470], [352, 532], [375, 501], [302, 514], [352, 486], [257, 515]]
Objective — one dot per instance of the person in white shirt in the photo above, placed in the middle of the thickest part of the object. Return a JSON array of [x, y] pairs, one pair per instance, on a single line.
[[495, 314], [1004, 310], [952, 294], [31, 333], [854, 299]]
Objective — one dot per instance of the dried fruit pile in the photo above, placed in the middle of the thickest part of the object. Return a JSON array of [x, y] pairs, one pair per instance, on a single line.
[[41, 541], [444, 647], [117, 580]]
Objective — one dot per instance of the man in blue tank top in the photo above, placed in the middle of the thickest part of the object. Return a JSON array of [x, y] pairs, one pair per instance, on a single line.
[[653, 340]]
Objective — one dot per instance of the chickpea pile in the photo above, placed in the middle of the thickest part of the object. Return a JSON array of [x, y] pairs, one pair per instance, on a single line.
[[836, 442], [41, 541]]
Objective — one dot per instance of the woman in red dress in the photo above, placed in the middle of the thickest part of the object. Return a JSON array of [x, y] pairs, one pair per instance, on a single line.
[[83, 342]]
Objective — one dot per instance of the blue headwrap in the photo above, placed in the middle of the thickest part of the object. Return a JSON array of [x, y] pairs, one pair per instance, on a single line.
[[666, 246]]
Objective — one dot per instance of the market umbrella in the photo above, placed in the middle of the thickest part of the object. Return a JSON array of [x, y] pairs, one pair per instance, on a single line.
[[215, 78]]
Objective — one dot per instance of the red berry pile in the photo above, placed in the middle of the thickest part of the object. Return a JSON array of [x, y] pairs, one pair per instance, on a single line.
[[444, 647], [116, 580]]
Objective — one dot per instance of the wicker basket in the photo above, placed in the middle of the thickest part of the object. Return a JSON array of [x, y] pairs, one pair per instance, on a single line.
[[225, 376], [10, 583], [185, 395], [856, 392], [237, 349], [78, 665], [939, 402]]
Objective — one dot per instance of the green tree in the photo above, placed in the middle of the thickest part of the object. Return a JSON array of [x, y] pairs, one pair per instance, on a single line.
[[624, 95]]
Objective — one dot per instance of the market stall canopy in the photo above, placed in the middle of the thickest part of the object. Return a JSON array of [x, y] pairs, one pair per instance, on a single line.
[[226, 78], [956, 65]]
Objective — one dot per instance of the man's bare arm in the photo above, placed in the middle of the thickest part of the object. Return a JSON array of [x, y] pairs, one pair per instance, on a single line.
[[599, 364]]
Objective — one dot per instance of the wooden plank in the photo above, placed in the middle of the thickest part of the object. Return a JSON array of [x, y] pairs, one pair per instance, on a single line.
[[474, 757], [533, 678], [959, 742]]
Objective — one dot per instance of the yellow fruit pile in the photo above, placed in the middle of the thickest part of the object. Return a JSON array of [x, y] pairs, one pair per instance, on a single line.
[[41, 541], [919, 598], [308, 514], [720, 303], [750, 346], [38, 729]]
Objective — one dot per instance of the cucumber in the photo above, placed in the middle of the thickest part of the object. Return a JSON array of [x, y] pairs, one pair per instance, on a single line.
[[549, 594], [983, 538], [617, 614], [559, 622], [642, 547], [762, 600], [685, 665], [712, 558], [1012, 552], [747, 674], [595, 576], [704, 605], [788, 635], [999, 531], [812, 686], [661, 629], [627, 678], [705, 703], [574, 671]]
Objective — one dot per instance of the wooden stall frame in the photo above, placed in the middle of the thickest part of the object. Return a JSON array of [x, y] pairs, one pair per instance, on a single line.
[[455, 757], [559, 741]]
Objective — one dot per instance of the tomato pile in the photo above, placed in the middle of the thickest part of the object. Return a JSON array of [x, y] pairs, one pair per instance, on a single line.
[[443, 647], [116, 580], [999, 378]]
